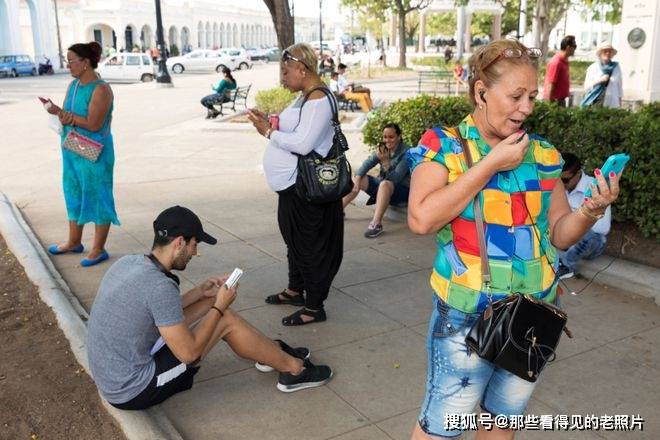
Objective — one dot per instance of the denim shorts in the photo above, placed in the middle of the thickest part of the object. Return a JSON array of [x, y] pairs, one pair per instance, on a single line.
[[458, 380], [399, 195]]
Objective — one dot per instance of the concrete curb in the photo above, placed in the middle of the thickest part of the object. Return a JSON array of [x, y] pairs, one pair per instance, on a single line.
[[609, 271], [71, 317], [623, 274]]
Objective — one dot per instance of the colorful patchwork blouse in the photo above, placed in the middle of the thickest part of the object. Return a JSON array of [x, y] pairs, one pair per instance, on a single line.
[[519, 262]]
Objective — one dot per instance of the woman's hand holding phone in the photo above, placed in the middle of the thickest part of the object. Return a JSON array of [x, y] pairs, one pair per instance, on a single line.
[[602, 194], [509, 153], [49, 106]]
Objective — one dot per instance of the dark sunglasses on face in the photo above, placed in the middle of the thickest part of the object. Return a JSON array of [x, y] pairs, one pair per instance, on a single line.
[[286, 56]]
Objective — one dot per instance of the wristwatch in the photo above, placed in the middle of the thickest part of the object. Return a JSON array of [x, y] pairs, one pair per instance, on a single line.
[[584, 210]]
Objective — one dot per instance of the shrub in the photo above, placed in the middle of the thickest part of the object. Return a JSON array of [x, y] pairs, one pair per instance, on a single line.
[[415, 115], [274, 100], [174, 50], [641, 199], [591, 133]]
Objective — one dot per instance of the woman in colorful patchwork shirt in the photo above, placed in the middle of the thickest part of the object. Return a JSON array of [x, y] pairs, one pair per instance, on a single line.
[[526, 216]]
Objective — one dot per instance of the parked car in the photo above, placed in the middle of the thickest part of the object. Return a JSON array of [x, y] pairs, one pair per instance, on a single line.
[[127, 67], [14, 65], [239, 56], [327, 50], [201, 60], [257, 54], [274, 54]]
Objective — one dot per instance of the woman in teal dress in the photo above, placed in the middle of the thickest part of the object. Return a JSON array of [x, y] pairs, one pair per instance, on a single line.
[[87, 185], [221, 95]]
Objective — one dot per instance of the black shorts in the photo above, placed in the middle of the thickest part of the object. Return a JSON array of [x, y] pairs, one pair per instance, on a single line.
[[171, 376]]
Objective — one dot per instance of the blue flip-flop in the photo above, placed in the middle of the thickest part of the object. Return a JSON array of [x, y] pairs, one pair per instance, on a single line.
[[86, 262], [53, 249]]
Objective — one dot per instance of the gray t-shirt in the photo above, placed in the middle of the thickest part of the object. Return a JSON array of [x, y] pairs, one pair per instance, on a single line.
[[133, 299]]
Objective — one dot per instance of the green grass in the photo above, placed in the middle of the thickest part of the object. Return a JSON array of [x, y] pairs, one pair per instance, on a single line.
[[577, 71]]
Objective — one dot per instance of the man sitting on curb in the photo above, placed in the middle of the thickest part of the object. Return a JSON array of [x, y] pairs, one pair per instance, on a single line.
[[139, 300], [593, 243], [352, 91]]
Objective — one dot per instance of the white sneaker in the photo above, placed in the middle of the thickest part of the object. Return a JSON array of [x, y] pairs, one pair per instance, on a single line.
[[298, 352]]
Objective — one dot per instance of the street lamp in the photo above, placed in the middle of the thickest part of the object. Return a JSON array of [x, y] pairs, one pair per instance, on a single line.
[[162, 77], [293, 19], [321, 29]]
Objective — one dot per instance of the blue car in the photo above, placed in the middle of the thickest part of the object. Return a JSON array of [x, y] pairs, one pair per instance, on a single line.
[[14, 65]]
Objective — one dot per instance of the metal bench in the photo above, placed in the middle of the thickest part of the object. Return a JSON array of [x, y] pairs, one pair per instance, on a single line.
[[346, 104], [430, 80], [237, 96]]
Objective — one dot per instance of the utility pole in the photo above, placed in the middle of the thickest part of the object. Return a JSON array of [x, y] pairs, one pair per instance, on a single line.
[[59, 39], [162, 77]]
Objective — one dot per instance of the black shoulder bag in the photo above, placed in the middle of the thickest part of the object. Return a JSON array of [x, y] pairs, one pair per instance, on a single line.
[[325, 179], [519, 333]]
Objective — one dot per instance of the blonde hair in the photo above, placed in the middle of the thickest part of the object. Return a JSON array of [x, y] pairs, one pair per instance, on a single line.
[[306, 54], [480, 67]]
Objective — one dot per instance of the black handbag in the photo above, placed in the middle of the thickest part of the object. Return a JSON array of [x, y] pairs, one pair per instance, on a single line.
[[325, 179], [519, 333]]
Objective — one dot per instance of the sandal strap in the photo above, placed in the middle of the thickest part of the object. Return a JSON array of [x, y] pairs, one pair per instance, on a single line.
[[296, 317], [288, 296]]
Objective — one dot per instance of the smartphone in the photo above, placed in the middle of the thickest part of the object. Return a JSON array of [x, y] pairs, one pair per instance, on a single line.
[[614, 163], [233, 278]]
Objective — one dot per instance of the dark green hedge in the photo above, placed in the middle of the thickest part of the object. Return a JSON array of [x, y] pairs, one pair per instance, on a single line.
[[591, 133]]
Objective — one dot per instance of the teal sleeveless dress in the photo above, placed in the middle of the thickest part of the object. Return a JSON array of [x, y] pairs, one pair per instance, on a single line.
[[88, 186]]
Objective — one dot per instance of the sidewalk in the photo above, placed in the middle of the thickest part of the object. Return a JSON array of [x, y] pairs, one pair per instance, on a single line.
[[377, 311]]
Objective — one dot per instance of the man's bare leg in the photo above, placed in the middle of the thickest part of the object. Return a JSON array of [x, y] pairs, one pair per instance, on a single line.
[[245, 340]]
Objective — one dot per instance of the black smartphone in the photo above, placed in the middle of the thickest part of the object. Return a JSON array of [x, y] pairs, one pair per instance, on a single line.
[[522, 135]]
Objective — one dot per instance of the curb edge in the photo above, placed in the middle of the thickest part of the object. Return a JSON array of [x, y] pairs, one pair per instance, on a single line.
[[71, 316]]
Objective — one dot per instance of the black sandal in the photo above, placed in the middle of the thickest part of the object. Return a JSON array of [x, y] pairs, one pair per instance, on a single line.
[[296, 318], [294, 300]]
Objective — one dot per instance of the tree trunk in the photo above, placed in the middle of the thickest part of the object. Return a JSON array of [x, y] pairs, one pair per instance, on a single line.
[[546, 17], [283, 22], [402, 36]]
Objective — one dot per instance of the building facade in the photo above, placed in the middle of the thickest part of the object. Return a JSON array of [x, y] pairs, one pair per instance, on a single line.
[[30, 26]]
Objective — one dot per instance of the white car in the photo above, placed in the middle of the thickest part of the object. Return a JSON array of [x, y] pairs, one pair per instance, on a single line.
[[239, 56], [257, 54], [127, 67], [201, 60]]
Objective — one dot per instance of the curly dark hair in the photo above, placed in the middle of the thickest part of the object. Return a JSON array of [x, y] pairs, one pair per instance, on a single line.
[[91, 51]]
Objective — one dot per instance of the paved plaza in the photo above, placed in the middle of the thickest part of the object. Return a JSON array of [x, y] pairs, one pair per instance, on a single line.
[[379, 305]]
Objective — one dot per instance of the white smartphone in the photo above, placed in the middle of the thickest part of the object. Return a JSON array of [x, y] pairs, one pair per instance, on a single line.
[[233, 278]]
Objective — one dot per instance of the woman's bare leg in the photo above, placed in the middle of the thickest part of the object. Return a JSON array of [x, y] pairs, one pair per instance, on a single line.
[[100, 237], [385, 190]]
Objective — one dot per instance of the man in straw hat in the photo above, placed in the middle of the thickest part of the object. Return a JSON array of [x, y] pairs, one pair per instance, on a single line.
[[602, 83]]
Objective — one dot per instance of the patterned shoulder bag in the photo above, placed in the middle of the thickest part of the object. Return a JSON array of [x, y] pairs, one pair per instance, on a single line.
[[79, 144]]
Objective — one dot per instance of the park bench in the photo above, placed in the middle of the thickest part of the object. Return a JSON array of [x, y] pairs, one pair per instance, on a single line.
[[237, 96], [429, 80], [346, 104]]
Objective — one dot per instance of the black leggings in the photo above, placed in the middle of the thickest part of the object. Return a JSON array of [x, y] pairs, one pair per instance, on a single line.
[[314, 236], [210, 100]]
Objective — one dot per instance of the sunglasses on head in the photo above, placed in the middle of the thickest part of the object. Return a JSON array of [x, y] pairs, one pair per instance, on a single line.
[[286, 56], [533, 53]]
